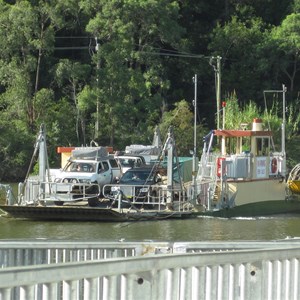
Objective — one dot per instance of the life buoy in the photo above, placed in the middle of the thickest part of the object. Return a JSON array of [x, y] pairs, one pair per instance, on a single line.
[[219, 166], [274, 165]]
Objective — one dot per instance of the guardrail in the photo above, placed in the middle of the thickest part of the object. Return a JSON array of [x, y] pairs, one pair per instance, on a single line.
[[236, 270]]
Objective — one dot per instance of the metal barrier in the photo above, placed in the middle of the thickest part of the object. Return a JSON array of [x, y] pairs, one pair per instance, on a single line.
[[34, 192], [24, 253], [148, 196], [240, 274], [150, 270]]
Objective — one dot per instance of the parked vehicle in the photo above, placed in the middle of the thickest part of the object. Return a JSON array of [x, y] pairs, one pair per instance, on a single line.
[[89, 165], [137, 184], [130, 161]]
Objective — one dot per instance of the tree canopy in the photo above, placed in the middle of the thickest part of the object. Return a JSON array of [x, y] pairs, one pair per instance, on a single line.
[[111, 71]]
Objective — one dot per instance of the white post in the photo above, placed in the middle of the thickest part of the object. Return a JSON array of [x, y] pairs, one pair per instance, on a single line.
[[169, 146], [283, 169], [97, 103], [42, 160], [218, 89], [194, 173]]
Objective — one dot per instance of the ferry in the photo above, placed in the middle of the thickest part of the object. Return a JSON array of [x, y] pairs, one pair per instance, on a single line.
[[44, 197], [239, 175], [245, 176]]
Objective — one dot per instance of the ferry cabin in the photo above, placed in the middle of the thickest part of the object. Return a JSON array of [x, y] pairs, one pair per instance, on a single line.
[[246, 171]]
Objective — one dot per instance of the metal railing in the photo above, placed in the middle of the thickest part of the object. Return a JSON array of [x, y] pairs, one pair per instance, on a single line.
[[34, 191], [236, 270], [147, 196]]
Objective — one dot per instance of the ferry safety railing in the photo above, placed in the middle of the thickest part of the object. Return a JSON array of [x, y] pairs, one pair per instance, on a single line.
[[34, 191], [207, 179], [267, 273], [8, 194], [146, 196]]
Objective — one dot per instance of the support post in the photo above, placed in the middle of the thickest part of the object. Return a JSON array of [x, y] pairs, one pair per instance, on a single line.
[[218, 88], [42, 160], [194, 173], [169, 146]]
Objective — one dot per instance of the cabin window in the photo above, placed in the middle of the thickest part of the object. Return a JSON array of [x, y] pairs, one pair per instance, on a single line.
[[262, 146], [113, 163], [237, 145], [230, 144], [246, 145], [105, 165]]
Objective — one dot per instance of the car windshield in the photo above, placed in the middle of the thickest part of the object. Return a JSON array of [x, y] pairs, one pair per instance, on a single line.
[[80, 167], [130, 162], [140, 176]]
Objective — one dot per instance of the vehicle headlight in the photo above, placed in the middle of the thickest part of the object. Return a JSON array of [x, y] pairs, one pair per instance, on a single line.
[[144, 190]]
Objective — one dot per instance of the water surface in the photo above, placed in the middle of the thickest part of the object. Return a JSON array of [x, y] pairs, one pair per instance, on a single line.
[[199, 229]]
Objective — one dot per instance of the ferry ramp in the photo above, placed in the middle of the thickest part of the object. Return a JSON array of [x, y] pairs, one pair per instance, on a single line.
[[50, 269]]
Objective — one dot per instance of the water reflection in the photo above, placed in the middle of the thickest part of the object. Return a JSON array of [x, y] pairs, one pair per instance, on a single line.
[[199, 229]]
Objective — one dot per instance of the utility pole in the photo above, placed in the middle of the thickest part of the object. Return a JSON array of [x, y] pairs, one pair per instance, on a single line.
[[218, 87], [217, 69], [195, 140], [284, 89], [97, 104]]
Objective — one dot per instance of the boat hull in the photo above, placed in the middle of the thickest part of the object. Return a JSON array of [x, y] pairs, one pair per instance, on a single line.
[[257, 209], [253, 191], [80, 213]]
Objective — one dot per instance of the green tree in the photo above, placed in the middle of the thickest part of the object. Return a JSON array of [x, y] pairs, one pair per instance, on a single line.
[[239, 44], [286, 38], [131, 80], [27, 29], [72, 77], [182, 120]]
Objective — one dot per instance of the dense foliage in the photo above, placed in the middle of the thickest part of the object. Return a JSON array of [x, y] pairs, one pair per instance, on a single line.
[[110, 71]]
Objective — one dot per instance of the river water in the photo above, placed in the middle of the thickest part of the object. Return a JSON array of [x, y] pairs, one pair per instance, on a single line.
[[200, 229]]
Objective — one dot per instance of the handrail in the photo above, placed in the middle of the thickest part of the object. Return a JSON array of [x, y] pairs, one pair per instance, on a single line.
[[147, 195], [55, 191]]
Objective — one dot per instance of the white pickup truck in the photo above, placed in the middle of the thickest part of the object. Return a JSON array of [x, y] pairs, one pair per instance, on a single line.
[[89, 165]]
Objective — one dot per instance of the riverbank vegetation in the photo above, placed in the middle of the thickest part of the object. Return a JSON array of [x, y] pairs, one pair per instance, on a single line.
[[110, 71]]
